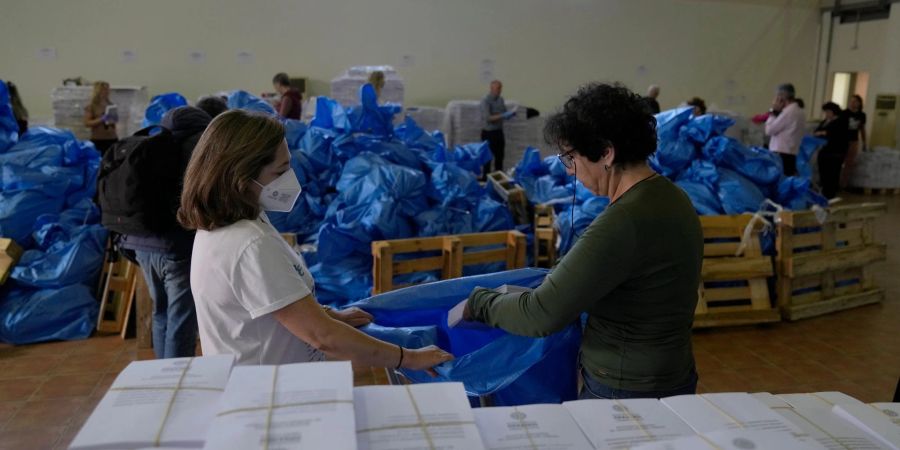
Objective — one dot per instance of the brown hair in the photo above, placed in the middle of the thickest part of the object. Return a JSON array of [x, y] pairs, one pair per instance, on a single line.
[[229, 156]]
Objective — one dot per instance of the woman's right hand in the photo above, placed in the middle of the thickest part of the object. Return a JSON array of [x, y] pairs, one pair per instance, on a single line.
[[425, 358]]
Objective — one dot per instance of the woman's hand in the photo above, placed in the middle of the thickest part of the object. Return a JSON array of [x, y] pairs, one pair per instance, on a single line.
[[425, 358], [354, 317]]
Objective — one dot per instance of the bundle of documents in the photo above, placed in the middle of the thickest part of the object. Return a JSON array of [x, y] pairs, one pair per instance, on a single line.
[[429, 118], [345, 87], [297, 406], [167, 402], [873, 421], [879, 168], [728, 411], [623, 424], [530, 427], [427, 416], [737, 439]]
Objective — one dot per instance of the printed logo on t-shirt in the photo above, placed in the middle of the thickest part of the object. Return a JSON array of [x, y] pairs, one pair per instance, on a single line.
[[299, 269]]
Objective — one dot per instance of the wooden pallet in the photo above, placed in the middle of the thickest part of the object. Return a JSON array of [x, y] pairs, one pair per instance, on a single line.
[[119, 282], [446, 254], [877, 191], [825, 267], [734, 290], [10, 252], [512, 194], [545, 236]]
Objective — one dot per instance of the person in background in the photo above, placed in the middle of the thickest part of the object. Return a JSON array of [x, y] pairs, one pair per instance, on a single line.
[[19, 110], [634, 271], [291, 103], [165, 259], [856, 127], [213, 105], [254, 294], [785, 126], [831, 157], [699, 106], [800, 102], [376, 79], [103, 127], [652, 95], [493, 111]]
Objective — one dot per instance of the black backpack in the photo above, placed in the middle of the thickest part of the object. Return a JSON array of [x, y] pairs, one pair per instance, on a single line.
[[139, 184]]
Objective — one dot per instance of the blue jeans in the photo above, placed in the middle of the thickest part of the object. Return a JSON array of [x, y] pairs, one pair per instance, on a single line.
[[593, 389], [174, 316]]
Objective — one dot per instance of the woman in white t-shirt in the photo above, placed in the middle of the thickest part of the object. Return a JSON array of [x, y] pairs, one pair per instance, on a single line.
[[254, 294]]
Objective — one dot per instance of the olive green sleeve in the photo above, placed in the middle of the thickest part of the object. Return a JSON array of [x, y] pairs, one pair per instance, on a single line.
[[599, 261]]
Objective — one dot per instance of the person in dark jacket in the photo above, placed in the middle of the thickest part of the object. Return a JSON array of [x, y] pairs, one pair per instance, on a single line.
[[165, 259], [831, 157]]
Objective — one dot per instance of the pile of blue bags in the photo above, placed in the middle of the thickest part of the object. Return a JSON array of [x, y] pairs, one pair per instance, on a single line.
[[365, 179], [47, 183], [719, 174]]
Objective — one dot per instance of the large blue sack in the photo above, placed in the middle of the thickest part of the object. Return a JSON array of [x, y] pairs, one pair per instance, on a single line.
[[293, 132], [413, 136], [738, 194], [700, 129], [672, 156], [75, 257], [28, 315], [159, 105], [443, 220], [796, 193], [492, 215], [760, 165], [809, 145], [244, 100], [26, 194], [342, 281], [705, 201], [9, 128], [531, 166], [454, 186], [350, 229], [330, 115], [369, 177], [585, 213], [369, 117], [516, 370]]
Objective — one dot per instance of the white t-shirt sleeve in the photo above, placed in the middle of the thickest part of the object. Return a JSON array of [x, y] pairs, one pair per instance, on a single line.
[[268, 277]]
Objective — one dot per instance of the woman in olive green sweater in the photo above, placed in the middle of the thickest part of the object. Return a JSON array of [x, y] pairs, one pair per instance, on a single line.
[[635, 270]]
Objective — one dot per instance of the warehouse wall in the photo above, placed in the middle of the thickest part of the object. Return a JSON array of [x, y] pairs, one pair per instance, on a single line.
[[876, 52], [731, 52]]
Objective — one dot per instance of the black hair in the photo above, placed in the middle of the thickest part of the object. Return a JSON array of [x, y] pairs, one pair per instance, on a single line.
[[833, 107], [600, 116], [699, 103], [788, 90], [859, 99], [799, 101], [281, 79], [212, 105]]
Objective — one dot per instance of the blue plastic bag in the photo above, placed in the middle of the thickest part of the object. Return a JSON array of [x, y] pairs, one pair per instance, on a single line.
[[796, 193], [515, 369], [29, 316], [809, 145], [368, 177], [293, 132], [453, 185], [340, 282], [330, 115], [703, 172], [73, 258], [160, 104], [443, 220], [760, 165], [673, 156], [369, 117], [413, 136], [9, 128], [530, 166], [491, 215], [249, 102], [701, 129], [738, 194], [585, 213], [26, 194], [705, 201]]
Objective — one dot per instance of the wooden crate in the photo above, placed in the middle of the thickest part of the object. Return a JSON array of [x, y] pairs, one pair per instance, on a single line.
[[545, 236], [733, 290], [119, 282], [512, 194], [10, 252], [449, 255], [826, 267]]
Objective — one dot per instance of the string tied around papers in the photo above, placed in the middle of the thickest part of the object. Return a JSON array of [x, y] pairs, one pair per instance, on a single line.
[[520, 417], [635, 420], [833, 438], [420, 423], [175, 389], [722, 411]]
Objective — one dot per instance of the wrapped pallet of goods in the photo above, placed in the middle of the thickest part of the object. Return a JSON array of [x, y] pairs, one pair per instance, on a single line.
[[345, 87], [463, 123], [430, 118], [878, 170], [69, 103]]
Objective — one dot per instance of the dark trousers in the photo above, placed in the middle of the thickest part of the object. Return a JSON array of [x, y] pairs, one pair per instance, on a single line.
[[790, 164], [168, 279], [497, 143], [103, 145], [830, 173], [593, 389]]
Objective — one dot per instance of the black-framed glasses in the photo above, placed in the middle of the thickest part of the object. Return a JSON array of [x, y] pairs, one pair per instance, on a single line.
[[567, 159]]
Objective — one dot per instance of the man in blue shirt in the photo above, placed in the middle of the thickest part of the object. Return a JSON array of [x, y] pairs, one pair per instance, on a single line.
[[493, 111]]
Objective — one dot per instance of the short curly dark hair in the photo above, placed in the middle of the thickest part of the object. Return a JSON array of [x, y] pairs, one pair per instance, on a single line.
[[600, 116]]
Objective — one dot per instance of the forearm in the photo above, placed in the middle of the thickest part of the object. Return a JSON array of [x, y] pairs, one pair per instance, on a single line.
[[343, 342], [520, 313]]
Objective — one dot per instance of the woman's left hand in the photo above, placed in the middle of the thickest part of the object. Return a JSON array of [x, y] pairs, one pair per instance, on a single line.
[[354, 317]]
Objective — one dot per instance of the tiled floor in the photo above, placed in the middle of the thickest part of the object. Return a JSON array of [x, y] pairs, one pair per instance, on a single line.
[[48, 390]]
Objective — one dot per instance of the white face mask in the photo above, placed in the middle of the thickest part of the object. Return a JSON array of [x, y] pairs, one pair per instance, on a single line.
[[281, 194]]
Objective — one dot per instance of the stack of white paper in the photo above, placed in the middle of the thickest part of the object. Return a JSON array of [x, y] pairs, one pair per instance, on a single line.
[[463, 122], [297, 406], [741, 439], [69, 103], [622, 424], [872, 421], [879, 168], [427, 117], [424, 416], [534, 427], [892, 410], [770, 400], [828, 429], [726, 411], [168, 402], [819, 400]]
